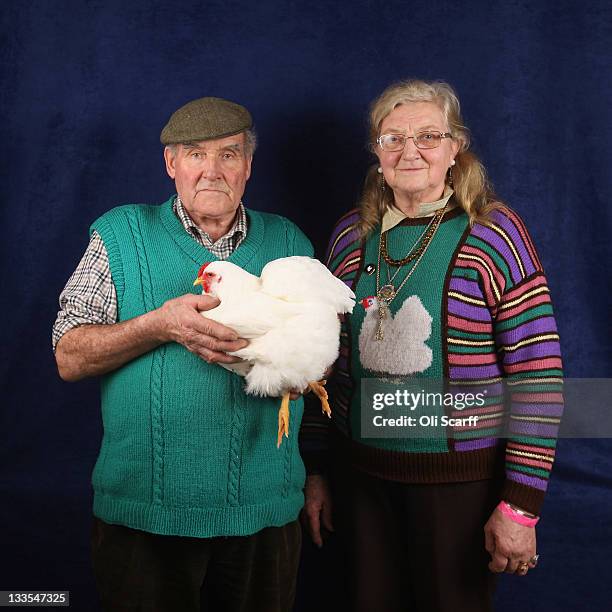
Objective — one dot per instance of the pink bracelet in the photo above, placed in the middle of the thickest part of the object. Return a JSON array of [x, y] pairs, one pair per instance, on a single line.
[[516, 516]]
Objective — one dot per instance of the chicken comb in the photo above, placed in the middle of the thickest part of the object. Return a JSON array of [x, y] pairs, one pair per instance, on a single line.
[[202, 268]]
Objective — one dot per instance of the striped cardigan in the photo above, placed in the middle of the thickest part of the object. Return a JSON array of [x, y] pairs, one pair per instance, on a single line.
[[497, 324]]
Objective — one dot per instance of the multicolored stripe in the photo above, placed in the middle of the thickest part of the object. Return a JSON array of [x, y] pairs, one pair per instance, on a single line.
[[499, 326]]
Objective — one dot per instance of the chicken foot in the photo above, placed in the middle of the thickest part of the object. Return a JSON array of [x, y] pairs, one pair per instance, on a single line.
[[283, 419], [318, 388]]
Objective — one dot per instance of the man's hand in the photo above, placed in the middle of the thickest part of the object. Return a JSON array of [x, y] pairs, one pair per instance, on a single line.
[[181, 321], [318, 508], [92, 350], [508, 543]]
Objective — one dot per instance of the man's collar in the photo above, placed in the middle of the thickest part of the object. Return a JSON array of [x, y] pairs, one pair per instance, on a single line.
[[239, 225]]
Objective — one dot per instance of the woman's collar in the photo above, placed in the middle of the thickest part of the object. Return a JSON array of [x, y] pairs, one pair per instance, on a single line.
[[394, 216]]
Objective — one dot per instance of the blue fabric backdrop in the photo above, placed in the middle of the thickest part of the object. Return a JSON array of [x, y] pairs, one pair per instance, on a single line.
[[85, 89]]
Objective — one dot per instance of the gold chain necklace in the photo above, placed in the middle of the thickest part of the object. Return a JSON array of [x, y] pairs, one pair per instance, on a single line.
[[390, 278], [413, 254], [387, 293]]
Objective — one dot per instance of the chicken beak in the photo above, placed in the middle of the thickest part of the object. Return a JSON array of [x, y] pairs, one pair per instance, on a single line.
[[198, 281]]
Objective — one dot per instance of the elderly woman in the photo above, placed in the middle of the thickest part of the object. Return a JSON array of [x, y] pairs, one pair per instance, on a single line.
[[451, 288]]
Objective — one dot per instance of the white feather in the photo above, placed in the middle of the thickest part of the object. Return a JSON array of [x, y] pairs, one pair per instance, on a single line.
[[303, 279]]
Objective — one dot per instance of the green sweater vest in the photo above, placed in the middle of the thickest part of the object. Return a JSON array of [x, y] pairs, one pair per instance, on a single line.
[[185, 451]]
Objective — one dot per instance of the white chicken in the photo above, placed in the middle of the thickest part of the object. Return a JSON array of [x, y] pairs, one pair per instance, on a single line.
[[289, 315]]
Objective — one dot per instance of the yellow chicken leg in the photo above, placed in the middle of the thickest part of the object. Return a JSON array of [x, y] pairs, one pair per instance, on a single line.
[[283, 419], [318, 388]]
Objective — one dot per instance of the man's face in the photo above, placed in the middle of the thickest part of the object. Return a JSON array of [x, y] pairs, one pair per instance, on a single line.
[[210, 176]]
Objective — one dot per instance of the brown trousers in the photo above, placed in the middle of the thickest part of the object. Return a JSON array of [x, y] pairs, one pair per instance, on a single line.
[[145, 572], [415, 548]]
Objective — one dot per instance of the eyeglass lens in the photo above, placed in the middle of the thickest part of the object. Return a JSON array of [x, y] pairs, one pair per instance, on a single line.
[[423, 140]]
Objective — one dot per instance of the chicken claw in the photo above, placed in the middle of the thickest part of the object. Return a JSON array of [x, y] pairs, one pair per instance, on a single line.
[[283, 419], [318, 388]]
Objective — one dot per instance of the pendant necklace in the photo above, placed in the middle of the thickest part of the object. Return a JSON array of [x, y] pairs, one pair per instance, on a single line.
[[387, 293]]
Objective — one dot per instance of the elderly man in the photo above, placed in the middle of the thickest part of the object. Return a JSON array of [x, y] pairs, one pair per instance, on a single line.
[[191, 495]]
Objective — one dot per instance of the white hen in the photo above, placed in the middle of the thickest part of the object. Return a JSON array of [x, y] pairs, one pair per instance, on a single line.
[[290, 317]]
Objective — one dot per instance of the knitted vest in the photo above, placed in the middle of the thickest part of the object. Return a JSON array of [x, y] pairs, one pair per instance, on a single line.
[[185, 451]]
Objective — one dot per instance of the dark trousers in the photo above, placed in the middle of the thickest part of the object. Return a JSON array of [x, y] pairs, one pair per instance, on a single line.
[[140, 571], [415, 548]]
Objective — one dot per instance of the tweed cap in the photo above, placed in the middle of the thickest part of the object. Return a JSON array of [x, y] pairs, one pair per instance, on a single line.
[[206, 119]]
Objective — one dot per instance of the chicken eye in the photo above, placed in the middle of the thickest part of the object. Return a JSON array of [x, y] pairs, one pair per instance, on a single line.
[[210, 274]]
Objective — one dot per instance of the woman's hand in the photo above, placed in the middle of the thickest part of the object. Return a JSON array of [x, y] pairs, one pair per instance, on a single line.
[[318, 508], [509, 544]]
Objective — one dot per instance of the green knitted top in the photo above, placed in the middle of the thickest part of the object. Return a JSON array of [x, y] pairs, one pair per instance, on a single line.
[[418, 311], [185, 451]]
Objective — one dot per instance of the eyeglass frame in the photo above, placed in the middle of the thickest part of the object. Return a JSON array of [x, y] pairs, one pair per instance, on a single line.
[[406, 137]]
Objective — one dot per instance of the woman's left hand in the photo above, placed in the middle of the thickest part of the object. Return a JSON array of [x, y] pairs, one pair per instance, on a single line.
[[509, 544]]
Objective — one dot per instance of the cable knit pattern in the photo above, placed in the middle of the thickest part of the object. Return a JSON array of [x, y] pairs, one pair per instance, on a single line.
[[157, 433], [233, 480], [157, 425], [185, 451], [288, 463]]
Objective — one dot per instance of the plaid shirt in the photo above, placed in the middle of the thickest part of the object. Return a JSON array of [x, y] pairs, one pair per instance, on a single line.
[[89, 296]]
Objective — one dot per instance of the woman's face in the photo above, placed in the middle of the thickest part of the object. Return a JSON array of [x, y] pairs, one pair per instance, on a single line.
[[416, 175]]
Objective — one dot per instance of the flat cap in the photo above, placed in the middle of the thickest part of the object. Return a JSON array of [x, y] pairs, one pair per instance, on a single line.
[[205, 119]]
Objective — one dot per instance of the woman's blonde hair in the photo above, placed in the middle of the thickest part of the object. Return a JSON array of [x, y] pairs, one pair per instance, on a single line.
[[472, 189]]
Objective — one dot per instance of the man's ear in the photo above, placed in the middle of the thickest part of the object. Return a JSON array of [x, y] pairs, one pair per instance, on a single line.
[[169, 158]]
